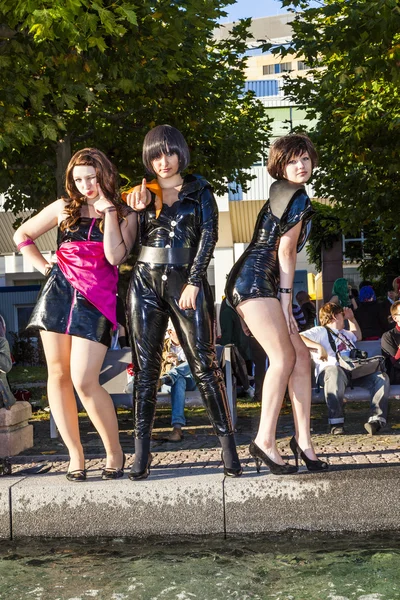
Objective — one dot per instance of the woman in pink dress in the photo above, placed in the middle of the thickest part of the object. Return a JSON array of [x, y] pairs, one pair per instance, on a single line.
[[76, 310]]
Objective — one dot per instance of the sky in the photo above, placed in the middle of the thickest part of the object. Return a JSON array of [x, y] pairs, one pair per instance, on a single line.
[[253, 8]]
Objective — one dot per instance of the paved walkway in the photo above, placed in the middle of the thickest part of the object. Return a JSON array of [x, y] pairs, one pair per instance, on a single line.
[[200, 449]]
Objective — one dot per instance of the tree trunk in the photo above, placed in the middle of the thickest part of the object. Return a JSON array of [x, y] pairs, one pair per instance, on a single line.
[[332, 267], [63, 157]]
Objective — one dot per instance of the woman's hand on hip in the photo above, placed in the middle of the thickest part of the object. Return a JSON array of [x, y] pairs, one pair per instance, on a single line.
[[139, 198], [188, 297]]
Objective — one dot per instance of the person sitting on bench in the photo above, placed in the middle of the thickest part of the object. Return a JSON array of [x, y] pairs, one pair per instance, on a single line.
[[176, 375], [335, 379]]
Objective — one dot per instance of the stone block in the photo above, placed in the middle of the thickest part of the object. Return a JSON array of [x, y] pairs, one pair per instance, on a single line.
[[170, 502], [20, 412], [341, 500], [16, 434]]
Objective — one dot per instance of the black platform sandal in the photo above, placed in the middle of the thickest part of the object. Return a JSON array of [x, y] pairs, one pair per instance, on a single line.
[[78, 475]]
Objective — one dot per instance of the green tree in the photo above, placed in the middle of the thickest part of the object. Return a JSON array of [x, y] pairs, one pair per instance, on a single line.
[[353, 49], [76, 73]]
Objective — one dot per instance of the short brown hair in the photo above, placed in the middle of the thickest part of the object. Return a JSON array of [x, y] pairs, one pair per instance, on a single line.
[[285, 148], [163, 139], [394, 306], [328, 312]]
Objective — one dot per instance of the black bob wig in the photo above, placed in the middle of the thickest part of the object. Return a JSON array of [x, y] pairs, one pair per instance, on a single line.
[[165, 139]]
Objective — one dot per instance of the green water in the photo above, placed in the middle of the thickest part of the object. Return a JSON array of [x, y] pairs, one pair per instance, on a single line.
[[296, 567]]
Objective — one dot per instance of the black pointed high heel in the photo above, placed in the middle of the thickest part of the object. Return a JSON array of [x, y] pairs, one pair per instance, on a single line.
[[144, 473], [260, 457], [312, 465], [110, 473]]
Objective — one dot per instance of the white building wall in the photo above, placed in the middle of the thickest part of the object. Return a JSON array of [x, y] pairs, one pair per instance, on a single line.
[[16, 263], [223, 263]]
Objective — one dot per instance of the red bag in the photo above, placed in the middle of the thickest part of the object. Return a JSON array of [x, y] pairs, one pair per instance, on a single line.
[[22, 395]]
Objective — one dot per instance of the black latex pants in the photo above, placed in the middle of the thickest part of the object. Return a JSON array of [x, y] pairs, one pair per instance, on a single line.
[[153, 297]]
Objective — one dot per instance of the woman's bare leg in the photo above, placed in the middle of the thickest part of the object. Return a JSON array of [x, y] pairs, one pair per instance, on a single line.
[[57, 349], [300, 395], [265, 319], [86, 360]]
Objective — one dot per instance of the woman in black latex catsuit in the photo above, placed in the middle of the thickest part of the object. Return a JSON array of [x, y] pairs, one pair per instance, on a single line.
[[169, 281], [265, 268], [76, 309]]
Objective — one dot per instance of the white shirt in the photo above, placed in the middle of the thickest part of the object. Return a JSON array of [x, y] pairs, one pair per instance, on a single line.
[[178, 350], [320, 335]]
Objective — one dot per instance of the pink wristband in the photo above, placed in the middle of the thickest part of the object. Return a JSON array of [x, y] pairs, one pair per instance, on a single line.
[[25, 243]]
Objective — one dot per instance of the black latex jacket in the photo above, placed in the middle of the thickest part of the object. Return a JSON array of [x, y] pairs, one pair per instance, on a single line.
[[196, 225]]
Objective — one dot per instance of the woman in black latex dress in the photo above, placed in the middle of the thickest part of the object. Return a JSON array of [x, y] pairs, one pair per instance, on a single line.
[[178, 226], [259, 287], [76, 309]]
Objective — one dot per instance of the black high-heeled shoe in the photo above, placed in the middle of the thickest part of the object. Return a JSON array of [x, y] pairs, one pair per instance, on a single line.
[[260, 457], [77, 475], [231, 471], [110, 473], [312, 465], [144, 473]]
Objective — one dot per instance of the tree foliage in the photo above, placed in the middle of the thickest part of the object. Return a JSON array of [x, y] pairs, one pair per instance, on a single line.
[[76, 73], [353, 49]]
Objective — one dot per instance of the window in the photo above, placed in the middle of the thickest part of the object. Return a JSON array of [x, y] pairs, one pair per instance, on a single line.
[[302, 66], [353, 248], [23, 316], [268, 69], [259, 162], [279, 68]]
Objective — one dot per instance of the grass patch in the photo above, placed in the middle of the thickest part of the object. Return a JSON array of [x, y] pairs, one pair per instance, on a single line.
[[25, 374]]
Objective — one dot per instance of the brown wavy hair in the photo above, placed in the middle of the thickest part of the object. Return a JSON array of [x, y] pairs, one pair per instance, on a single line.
[[107, 177]]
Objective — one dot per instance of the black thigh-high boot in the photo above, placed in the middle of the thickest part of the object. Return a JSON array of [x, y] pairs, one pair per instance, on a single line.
[[230, 458], [143, 458]]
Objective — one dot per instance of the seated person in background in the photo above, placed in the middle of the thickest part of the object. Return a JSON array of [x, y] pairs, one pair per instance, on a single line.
[[390, 344], [333, 378], [341, 294], [308, 308], [6, 397], [176, 375], [368, 314], [234, 331], [385, 306], [299, 316]]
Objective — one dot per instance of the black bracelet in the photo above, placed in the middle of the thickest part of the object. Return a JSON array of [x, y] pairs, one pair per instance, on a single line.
[[109, 209], [285, 290]]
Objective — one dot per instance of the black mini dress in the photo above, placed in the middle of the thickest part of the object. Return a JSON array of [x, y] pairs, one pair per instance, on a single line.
[[256, 273], [61, 308]]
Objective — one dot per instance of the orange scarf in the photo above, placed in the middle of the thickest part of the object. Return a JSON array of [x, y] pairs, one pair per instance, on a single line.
[[153, 187]]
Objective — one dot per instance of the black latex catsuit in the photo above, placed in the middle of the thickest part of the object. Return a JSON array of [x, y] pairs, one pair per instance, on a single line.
[[191, 223]]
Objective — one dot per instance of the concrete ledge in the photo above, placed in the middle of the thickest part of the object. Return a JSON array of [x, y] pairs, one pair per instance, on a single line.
[[6, 483], [344, 500], [200, 502], [171, 502]]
